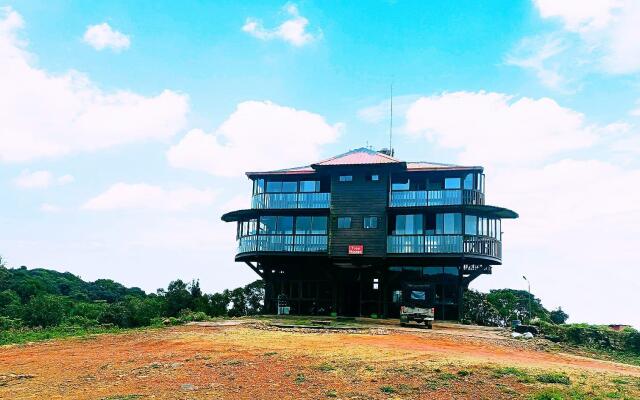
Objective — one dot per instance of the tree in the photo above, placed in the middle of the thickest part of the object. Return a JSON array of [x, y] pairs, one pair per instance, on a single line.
[[254, 297], [177, 297], [478, 310], [10, 305], [558, 316], [219, 304], [44, 310]]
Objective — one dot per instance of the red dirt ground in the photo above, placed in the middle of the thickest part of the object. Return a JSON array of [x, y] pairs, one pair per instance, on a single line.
[[257, 362]]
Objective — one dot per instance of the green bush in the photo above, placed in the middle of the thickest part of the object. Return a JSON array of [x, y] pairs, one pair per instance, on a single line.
[[190, 316], [9, 323], [554, 377], [594, 336]]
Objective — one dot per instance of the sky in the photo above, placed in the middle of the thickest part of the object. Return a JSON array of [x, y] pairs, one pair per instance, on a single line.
[[125, 128]]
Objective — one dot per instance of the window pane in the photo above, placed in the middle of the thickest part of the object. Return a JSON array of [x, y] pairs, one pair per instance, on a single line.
[[346, 178], [499, 230], [303, 225], [400, 184], [370, 222], [319, 226], [452, 223], [401, 224], [285, 225], [452, 183], [374, 178], [468, 181], [450, 270], [470, 225], [267, 225], [309, 186], [253, 226], [289, 187], [274, 187], [418, 224], [259, 186], [344, 222]]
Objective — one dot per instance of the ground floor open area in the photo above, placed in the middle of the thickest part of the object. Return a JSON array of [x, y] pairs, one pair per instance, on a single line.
[[263, 359]]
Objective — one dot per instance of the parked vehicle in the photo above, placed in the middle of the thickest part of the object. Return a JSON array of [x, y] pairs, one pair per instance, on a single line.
[[417, 304]]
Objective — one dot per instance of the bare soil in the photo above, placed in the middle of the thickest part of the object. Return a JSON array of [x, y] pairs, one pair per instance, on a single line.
[[255, 361]]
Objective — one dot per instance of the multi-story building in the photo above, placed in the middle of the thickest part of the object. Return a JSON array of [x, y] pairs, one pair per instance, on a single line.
[[343, 234]]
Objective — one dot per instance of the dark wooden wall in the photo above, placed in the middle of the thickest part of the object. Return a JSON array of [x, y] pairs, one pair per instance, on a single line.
[[358, 199]]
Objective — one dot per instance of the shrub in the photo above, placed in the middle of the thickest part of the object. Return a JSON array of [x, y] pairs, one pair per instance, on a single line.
[[7, 323], [554, 377], [187, 315]]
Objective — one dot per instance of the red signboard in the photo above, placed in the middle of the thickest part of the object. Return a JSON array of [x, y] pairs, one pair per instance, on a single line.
[[356, 249]]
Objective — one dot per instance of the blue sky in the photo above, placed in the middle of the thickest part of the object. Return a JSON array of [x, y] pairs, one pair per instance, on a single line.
[[125, 127]]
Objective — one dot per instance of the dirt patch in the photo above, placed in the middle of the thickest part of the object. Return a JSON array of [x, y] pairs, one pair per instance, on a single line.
[[242, 362]]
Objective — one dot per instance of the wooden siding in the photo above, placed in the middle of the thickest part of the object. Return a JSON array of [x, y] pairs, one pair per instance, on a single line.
[[358, 199]]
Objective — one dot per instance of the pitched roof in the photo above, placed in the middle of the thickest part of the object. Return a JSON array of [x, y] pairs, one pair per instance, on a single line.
[[364, 156], [361, 156], [429, 166]]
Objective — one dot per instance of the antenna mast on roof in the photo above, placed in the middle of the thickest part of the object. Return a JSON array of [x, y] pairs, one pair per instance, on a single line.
[[391, 121]]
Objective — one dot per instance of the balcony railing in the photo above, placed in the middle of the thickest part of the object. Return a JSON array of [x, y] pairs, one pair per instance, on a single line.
[[284, 243], [444, 244], [445, 197], [291, 200]]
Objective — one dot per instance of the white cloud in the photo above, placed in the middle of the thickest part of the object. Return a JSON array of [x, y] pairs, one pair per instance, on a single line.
[[602, 37], [579, 223], [40, 179], [579, 218], [257, 135], [494, 128], [292, 30], [144, 196], [535, 54], [580, 15], [47, 115], [102, 36]]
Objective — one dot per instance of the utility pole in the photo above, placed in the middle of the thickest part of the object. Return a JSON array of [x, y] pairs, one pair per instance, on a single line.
[[529, 290]]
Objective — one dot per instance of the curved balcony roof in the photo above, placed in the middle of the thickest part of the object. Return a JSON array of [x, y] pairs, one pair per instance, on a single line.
[[241, 215], [478, 209]]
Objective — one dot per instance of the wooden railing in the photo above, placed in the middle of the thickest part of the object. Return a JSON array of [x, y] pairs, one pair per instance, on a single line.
[[444, 244], [290, 200], [283, 243], [445, 197]]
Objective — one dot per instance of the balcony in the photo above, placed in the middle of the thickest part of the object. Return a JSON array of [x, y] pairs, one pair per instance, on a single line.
[[290, 200], [283, 243], [444, 244], [445, 197]]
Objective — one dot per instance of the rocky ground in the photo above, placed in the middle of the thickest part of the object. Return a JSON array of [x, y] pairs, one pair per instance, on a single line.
[[253, 360]]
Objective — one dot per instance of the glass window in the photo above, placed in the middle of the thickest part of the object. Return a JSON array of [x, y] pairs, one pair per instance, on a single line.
[[373, 177], [418, 295], [285, 225], [253, 223], [468, 181], [345, 178], [470, 225], [344, 222], [499, 229], [370, 222], [448, 224], [450, 270], [491, 226], [274, 187], [482, 226], [267, 225], [411, 224], [258, 186], [400, 184], [289, 187], [319, 226], [303, 225], [309, 186], [431, 271], [452, 183]]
